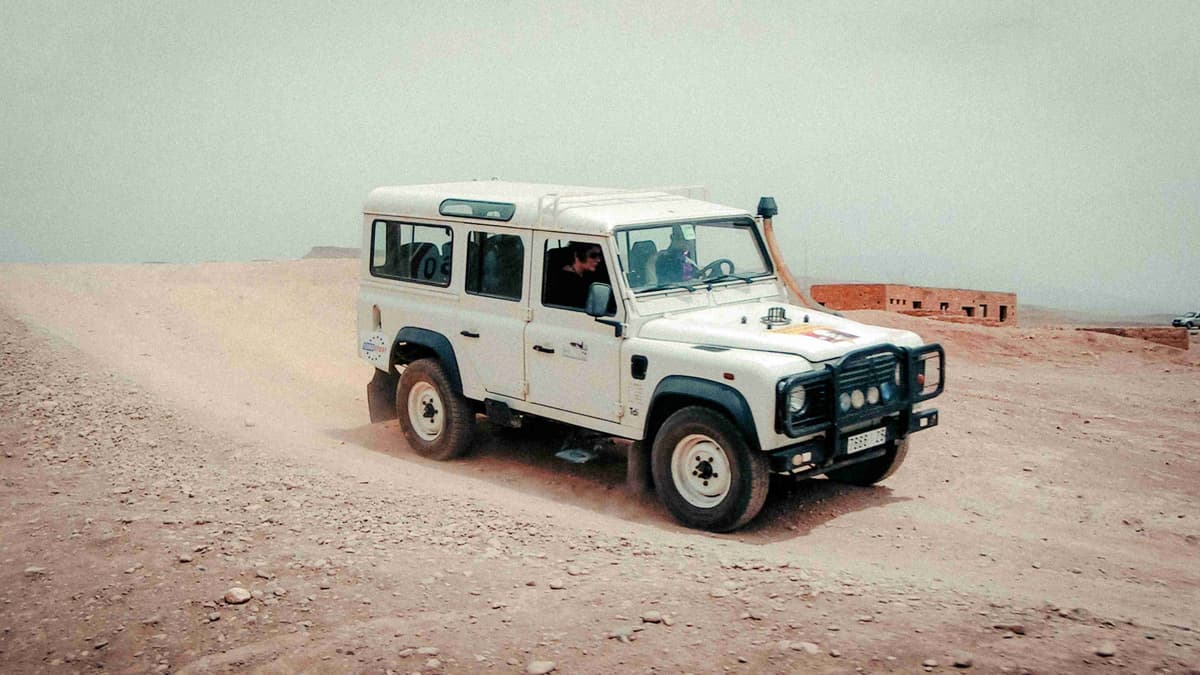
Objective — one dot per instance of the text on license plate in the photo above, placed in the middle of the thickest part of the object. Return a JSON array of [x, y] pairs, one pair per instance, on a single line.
[[866, 440]]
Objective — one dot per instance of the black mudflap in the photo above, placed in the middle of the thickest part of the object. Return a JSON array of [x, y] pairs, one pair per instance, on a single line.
[[381, 396], [637, 468]]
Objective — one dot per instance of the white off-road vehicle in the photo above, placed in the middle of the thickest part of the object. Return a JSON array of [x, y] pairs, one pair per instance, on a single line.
[[649, 316]]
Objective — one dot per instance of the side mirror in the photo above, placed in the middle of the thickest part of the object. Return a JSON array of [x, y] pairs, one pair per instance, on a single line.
[[600, 296]]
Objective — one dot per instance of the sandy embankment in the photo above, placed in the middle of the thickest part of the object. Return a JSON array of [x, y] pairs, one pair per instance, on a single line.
[[1064, 476]]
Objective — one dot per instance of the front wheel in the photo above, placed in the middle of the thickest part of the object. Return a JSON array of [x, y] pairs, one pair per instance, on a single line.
[[705, 472], [437, 423], [872, 471]]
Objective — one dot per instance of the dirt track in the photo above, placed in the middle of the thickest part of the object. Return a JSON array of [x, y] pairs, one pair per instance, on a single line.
[[170, 432]]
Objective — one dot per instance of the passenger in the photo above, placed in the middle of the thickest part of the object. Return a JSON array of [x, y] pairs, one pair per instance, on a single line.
[[674, 262]]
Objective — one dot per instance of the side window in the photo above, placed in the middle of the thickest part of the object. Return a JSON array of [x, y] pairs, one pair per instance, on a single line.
[[411, 252], [571, 267], [495, 265]]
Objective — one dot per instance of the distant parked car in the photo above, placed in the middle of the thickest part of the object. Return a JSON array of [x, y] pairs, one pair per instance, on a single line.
[[1190, 320]]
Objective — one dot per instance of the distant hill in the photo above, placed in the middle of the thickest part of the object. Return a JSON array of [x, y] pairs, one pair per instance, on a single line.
[[1035, 315], [332, 252]]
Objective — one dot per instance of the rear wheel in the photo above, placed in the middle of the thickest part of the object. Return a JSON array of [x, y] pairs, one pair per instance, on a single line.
[[705, 472], [436, 422], [872, 471]]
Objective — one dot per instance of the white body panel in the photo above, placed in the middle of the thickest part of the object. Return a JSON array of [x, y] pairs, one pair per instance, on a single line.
[[819, 338], [754, 377]]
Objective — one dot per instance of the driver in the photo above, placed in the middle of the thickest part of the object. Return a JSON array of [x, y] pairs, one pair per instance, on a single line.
[[568, 285], [675, 263]]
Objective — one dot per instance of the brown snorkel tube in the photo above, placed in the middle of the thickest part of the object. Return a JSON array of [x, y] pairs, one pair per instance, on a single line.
[[766, 211]]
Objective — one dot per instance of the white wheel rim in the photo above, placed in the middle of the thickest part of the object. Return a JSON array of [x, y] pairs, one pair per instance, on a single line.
[[700, 469], [426, 415]]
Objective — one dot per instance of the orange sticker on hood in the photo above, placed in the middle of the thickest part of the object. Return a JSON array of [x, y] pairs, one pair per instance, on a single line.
[[815, 331]]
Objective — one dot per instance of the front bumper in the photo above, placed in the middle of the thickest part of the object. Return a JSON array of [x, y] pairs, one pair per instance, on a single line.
[[841, 433], [827, 453]]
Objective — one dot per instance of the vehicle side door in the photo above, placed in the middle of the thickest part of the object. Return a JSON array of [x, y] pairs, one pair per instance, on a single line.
[[571, 360], [491, 325]]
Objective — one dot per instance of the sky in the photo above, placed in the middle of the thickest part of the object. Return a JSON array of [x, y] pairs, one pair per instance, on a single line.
[[1051, 149]]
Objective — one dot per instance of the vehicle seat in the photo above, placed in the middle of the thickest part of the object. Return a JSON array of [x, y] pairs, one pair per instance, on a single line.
[[426, 262], [443, 270], [558, 258], [502, 273], [640, 255], [509, 254]]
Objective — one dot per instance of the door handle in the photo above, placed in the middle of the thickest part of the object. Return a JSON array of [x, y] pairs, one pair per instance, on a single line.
[[544, 350], [467, 333]]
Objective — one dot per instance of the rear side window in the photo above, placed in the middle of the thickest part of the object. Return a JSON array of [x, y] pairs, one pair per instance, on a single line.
[[495, 265], [420, 253]]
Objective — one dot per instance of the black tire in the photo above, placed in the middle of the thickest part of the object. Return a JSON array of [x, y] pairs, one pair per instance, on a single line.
[[444, 422], [706, 442], [872, 471], [1191, 325]]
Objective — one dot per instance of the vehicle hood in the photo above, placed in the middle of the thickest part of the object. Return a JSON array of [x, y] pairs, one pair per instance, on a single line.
[[815, 335]]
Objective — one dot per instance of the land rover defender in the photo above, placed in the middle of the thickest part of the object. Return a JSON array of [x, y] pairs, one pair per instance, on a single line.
[[651, 316]]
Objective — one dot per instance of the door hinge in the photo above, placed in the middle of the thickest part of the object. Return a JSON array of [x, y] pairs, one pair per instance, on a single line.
[[620, 411], [528, 314]]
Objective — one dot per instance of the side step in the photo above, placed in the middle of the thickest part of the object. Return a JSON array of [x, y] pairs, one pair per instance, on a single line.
[[637, 467], [501, 415]]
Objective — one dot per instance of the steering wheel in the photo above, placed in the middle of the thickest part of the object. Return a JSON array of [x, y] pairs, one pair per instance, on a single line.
[[714, 268]]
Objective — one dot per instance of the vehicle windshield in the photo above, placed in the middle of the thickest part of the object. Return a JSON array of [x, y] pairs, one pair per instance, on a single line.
[[688, 255]]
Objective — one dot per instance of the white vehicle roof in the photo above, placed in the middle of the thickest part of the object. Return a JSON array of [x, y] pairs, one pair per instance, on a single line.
[[565, 208]]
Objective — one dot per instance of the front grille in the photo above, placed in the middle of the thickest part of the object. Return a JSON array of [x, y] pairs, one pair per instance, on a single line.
[[871, 370], [875, 369]]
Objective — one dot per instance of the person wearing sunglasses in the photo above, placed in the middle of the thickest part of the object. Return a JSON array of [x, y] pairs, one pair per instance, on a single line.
[[568, 285]]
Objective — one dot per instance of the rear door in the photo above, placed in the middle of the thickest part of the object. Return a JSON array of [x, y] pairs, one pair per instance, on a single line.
[[491, 326]]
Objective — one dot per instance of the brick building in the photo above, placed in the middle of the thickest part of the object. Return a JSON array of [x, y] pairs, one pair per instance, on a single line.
[[950, 303]]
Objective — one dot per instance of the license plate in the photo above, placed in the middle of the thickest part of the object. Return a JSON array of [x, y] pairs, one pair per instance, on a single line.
[[866, 440]]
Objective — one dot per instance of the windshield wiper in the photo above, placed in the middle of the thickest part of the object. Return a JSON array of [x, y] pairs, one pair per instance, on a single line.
[[740, 277], [666, 285]]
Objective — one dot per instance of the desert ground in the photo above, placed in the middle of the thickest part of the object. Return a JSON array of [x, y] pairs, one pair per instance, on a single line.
[[169, 433]]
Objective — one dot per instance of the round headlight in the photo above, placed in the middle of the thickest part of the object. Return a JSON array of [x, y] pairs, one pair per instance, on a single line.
[[857, 399], [844, 402], [797, 400], [873, 395]]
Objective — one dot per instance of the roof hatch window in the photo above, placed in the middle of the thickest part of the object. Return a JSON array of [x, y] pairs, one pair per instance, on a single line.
[[466, 208]]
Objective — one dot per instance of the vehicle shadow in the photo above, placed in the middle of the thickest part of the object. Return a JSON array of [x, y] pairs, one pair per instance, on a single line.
[[795, 508], [525, 461]]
